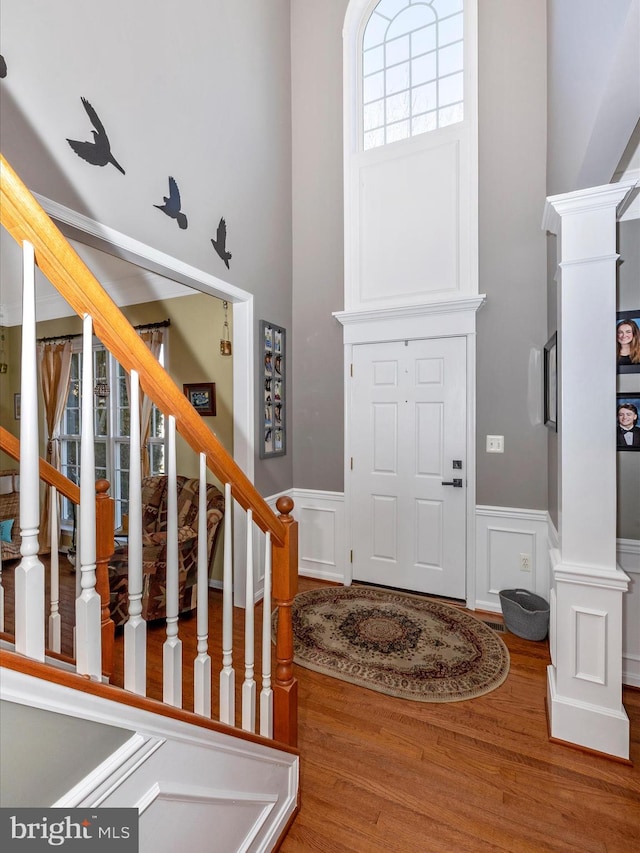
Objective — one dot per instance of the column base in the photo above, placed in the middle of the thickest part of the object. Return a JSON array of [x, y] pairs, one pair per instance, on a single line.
[[589, 726]]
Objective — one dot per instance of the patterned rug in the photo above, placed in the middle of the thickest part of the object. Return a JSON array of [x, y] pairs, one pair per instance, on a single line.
[[405, 645]]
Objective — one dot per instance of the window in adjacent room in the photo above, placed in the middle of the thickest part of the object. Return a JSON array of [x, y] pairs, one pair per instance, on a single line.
[[111, 430]]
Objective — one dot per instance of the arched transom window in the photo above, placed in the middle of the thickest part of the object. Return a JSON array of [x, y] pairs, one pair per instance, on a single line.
[[412, 69]]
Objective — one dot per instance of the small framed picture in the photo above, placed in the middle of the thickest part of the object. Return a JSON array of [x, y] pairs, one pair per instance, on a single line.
[[551, 382], [202, 396], [628, 341], [16, 406], [272, 383], [627, 427]]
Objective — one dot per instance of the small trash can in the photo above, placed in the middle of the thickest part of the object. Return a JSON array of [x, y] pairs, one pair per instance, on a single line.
[[525, 614]]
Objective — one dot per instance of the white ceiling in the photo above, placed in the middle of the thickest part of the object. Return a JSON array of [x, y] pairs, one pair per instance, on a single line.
[[126, 283]]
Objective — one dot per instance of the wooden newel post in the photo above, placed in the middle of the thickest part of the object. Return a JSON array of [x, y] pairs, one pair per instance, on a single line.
[[105, 546], [285, 586]]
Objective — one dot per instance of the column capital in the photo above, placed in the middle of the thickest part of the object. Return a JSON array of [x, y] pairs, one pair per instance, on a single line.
[[584, 201]]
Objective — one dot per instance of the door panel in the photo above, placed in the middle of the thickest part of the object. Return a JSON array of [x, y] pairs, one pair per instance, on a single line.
[[408, 424]]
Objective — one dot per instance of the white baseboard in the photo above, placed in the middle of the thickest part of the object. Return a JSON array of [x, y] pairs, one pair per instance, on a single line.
[[590, 726]]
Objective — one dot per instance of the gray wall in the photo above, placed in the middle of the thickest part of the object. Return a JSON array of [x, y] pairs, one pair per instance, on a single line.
[[41, 756], [200, 91], [318, 240], [594, 96], [512, 326]]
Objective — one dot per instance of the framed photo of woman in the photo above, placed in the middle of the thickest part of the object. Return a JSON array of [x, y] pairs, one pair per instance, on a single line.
[[628, 341]]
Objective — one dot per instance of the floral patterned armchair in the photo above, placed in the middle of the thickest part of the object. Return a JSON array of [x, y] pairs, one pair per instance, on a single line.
[[154, 548]]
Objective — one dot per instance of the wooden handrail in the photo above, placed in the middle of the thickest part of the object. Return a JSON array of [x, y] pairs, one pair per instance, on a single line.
[[25, 219], [50, 475]]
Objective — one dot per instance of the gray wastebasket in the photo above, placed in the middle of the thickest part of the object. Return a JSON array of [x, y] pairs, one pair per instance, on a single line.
[[525, 613]]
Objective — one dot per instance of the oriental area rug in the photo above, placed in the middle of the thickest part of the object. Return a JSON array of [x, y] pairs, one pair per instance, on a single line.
[[405, 645]]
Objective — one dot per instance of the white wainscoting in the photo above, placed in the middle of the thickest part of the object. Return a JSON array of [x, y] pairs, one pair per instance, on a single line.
[[629, 560], [503, 534], [196, 789], [321, 534]]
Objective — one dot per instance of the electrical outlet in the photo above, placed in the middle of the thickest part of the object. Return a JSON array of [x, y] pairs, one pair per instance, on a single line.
[[495, 444], [525, 562]]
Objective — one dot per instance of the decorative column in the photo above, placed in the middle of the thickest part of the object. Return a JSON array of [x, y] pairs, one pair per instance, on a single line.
[[584, 684]]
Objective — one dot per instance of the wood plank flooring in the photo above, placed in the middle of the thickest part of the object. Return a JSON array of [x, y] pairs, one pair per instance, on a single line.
[[386, 774]]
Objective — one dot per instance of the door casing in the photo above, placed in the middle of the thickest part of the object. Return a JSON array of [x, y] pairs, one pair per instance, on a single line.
[[450, 318]]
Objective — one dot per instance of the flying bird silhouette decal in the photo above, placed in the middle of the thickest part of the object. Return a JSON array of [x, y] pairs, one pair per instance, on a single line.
[[98, 152], [3, 66], [171, 205], [220, 243]]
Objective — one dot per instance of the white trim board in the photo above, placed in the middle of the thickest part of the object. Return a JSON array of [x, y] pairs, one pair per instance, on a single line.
[[75, 226]]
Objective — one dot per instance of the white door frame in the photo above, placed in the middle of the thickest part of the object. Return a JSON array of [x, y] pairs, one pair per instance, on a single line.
[[75, 226], [450, 318]]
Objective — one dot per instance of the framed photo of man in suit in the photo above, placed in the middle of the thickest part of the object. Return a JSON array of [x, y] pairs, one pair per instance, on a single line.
[[627, 427]]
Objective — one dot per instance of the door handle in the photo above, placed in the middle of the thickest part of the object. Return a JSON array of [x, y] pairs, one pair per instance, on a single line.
[[456, 483]]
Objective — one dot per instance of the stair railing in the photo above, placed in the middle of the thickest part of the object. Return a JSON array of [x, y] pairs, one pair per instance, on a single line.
[[28, 223], [58, 484]]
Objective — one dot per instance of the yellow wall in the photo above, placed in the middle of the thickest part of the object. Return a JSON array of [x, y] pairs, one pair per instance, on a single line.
[[193, 356]]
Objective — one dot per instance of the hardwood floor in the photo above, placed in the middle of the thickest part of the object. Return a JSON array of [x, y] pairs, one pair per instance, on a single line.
[[385, 774]]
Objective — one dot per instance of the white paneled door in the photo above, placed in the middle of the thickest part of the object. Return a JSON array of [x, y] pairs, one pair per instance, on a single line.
[[408, 477]]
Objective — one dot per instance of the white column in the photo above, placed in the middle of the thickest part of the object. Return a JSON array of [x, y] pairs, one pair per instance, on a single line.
[[585, 675]]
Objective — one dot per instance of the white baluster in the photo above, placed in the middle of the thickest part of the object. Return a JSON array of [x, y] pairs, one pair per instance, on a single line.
[[29, 574], [202, 663], [54, 610], [172, 649], [266, 694], [135, 629], [88, 605], [249, 685], [227, 674]]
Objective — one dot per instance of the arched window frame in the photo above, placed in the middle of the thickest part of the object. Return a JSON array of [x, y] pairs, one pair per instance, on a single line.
[[463, 135], [356, 19], [433, 60]]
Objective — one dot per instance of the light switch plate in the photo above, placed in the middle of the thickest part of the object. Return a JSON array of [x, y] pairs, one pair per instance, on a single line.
[[495, 444]]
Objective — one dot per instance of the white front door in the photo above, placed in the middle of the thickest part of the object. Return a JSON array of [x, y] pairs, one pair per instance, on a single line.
[[408, 476]]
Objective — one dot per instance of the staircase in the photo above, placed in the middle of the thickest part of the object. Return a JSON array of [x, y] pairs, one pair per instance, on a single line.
[[263, 732]]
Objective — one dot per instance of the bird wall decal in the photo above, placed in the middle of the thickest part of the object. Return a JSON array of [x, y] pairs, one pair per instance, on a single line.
[[3, 66], [172, 204], [220, 243], [98, 152]]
